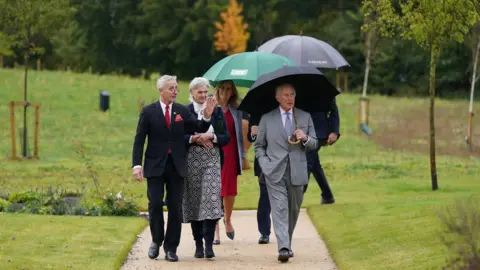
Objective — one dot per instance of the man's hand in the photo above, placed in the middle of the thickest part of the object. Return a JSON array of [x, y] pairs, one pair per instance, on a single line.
[[211, 104], [332, 138], [300, 135], [138, 174], [254, 131], [195, 138]]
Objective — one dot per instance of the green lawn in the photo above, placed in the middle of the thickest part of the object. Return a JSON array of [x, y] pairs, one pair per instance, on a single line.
[[66, 242], [385, 215]]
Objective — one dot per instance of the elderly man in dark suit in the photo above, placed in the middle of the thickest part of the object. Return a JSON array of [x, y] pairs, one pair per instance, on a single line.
[[327, 129], [165, 123]]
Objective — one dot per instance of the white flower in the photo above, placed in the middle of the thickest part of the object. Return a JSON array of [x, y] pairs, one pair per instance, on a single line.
[[119, 195]]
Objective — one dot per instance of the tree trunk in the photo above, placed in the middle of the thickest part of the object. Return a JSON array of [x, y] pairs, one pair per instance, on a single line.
[[433, 165], [472, 91], [25, 62], [1, 61], [24, 150], [367, 63]]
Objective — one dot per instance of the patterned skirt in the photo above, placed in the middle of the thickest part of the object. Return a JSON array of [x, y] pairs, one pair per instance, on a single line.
[[201, 198]]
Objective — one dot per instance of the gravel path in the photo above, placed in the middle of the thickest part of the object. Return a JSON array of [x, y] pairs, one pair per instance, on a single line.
[[242, 253]]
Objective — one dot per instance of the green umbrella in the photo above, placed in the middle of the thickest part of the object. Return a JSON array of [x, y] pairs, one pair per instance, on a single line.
[[244, 68]]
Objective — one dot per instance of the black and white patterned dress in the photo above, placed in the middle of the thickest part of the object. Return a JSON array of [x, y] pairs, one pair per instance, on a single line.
[[201, 198]]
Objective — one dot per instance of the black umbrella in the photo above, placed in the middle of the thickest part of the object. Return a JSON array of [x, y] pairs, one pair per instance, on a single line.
[[314, 93], [305, 51]]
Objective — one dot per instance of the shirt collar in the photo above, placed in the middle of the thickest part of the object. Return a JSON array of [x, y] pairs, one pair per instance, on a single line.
[[282, 112], [197, 107], [165, 105]]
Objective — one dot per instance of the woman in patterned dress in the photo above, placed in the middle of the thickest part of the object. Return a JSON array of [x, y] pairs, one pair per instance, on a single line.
[[201, 199], [227, 97]]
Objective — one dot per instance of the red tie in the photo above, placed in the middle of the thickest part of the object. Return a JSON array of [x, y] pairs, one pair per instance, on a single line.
[[167, 119], [167, 116]]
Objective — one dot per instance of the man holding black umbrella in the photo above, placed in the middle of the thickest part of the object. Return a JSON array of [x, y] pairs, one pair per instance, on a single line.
[[284, 136], [327, 126]]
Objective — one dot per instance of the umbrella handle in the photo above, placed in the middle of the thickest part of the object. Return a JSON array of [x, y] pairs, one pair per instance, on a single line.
[[292, 139]]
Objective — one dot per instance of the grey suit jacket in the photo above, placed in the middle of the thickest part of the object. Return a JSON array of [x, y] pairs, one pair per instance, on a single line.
[[237, 118], [273, 150]]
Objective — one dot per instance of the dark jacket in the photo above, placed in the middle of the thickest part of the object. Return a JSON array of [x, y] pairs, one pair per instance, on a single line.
[[326, 123], [152, 124], [220, 129]]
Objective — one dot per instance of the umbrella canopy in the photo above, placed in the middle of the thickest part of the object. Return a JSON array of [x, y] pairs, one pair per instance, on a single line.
[[314, 93], [244, 68], [305, 51]]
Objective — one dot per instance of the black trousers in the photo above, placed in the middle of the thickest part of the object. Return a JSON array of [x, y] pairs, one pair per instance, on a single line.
[[263, 211], [172, 182], [203, 229], [314, 166]]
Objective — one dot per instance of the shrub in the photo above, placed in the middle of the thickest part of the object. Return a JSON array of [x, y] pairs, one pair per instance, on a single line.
[[112, 204], [25, 197], [4, 205], [54, 202], [462, 234]]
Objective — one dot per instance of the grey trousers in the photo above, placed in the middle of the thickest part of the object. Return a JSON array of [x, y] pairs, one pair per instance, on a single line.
[[285, 201]]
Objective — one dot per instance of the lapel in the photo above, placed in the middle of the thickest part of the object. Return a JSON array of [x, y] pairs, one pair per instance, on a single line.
[[173, 115], [191, 108], [277, 118], [161, 116], [235, 117]]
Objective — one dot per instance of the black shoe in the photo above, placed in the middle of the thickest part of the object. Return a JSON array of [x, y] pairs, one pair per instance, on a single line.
[[264, 239], [209, 252], [153, 251], [199, 253], [283, 255], [328, 201], [171, 256], [231, 234], [290, 253]]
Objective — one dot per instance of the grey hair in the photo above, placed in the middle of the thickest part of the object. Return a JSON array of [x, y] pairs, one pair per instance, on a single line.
[[283, 85], [163, 79], [196, 83]]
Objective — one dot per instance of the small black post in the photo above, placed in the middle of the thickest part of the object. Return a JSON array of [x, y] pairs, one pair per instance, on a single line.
[[104, 100]]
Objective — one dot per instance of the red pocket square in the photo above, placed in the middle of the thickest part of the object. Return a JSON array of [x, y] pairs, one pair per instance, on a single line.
[[178, 118]]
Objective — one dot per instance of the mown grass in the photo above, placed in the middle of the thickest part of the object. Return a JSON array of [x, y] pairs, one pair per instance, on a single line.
[[66, 242], [385, 215]]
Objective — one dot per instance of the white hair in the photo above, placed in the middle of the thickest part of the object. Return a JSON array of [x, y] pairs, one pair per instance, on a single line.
[[163, 79], [283, 85], [196, 83]]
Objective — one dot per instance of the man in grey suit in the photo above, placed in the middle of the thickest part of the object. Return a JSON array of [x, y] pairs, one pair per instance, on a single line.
[[284, 165]]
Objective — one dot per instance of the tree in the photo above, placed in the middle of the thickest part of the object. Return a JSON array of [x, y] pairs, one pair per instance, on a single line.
[[25, 22], [370, 37], [232, 34], [475, 51], [430, 23]]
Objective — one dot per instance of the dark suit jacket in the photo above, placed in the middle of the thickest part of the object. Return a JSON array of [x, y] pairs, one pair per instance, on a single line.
[[326, 123], [220, 129], [152, 124]]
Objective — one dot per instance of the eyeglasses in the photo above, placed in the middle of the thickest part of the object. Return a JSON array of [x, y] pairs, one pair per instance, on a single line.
[[174, 90]]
